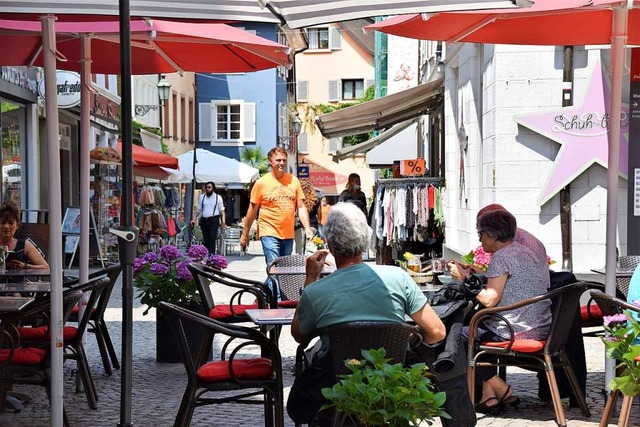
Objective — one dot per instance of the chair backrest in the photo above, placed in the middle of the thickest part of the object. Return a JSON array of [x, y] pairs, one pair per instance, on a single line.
[[565, 303], [177, 317], [113, 272], [611, 305], [96, 287], [628, 262], [347, 340], [232, 234], [290, 284]]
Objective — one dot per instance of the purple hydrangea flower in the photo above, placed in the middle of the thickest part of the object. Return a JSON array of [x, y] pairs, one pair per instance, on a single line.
[[198, 251], [217, 261], [615, 320], [150, 257], [169, 252], [159, 269], [183, 270], [138, 263]]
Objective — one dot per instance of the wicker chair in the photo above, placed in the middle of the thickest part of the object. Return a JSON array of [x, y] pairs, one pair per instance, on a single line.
[[290, 284], [532, 354], [609, 306], [249, 376], [629, 262]]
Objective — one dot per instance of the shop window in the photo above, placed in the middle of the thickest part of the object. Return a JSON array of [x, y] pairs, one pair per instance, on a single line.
[[12, 117]]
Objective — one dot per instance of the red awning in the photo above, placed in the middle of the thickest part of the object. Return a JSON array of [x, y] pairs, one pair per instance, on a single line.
[[143, 157]]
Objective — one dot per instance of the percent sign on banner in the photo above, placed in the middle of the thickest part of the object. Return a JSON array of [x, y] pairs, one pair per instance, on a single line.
[[413, 167]]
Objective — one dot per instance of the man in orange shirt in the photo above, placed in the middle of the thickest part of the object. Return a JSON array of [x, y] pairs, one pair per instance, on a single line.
[[277, 194]]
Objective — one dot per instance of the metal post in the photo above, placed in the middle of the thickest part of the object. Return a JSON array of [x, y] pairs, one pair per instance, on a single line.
[[127, 238], [565, 193]]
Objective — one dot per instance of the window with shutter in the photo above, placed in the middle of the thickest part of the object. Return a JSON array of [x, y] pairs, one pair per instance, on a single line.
[[335, 38], [303, 143], [318, 38], [334, 90], [368, 83], [303, 91], [233, 122], [334, 145], [205, 111], [249, 121], [352, 89]]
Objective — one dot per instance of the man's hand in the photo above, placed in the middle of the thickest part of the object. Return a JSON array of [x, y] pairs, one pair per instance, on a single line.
[[315, 264], [308, 233], [193, 223], [244, 240]]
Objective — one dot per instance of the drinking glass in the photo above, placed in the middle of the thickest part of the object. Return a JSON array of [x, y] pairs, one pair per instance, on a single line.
[[4, 251], [414, 264], [438, 266]]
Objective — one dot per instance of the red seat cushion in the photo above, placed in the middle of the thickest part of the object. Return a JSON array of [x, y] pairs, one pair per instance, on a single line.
[[23, 356], [76, 309], [524, 346], [288, 304], [258, 368], [223, 311], [42, 332], [590, 312]]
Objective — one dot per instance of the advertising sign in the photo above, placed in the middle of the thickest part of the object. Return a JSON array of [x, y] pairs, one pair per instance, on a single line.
[[67, 89]]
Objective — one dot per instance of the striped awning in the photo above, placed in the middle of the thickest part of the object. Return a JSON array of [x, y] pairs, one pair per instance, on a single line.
[[305, 13]]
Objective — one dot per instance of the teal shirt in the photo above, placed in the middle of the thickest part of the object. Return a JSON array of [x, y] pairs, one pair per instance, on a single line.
[[359, 292], [634, 289]]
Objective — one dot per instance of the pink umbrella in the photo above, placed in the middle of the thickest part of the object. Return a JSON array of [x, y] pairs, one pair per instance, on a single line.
[[156, 46], [548, 22]]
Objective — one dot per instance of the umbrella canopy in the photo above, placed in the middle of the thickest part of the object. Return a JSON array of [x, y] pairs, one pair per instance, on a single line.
[[213, 167], [565, 23], [303, 13], [156, 47]]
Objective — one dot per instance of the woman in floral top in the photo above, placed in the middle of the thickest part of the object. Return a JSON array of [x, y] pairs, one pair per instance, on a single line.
[[514, 274]]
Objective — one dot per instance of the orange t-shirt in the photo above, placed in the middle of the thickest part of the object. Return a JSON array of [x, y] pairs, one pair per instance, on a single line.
[[323, 214], [278, 201]]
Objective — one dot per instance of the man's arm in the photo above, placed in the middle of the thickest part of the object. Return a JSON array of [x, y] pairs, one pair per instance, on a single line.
[[248, 222], [223, 216], [303, 214], [432, 328]]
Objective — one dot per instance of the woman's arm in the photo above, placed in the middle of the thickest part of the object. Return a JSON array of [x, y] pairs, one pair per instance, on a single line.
[[490, 296], [33, 254]]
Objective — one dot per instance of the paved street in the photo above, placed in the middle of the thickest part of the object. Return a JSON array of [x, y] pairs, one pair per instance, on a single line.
[[158, 387]]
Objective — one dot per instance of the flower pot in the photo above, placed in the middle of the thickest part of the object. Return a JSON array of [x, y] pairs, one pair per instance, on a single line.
[[167, 350]]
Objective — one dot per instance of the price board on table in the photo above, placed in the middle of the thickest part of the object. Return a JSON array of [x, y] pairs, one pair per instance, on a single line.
[[414, 167]]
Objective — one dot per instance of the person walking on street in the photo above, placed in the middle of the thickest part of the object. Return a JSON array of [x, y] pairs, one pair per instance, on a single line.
[[353, 193], [210, 212], [323, 214], [277, 194]]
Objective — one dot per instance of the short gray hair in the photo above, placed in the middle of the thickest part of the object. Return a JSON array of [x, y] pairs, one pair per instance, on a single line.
[[346, 230]]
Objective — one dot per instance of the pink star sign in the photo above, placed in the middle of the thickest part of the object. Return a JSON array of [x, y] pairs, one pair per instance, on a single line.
[[582, 131]]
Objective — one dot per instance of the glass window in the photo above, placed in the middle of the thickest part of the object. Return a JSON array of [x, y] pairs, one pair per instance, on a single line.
[[352, 89], [228, 121], [12, 117], [318, 38]]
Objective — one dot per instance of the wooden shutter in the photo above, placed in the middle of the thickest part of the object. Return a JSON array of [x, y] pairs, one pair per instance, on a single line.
[[303, 91], [303, 143], [334, 145], [368, 83], [205, 114], [335, 90], [248, 121], [335, 38]]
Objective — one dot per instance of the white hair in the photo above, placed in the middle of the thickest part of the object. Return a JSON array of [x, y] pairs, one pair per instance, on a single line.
[[346, 230]]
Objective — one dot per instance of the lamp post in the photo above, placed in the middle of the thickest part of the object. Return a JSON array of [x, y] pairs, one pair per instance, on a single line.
[[296, 127]]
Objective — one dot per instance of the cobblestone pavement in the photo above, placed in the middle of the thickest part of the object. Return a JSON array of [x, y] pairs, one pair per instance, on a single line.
[[158, 387]]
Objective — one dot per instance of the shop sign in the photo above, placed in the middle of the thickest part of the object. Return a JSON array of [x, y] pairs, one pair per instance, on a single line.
[[104, 108], [24, 78], [414, 167], [67, 88], [303, 171], [326, 179], [582, 131]]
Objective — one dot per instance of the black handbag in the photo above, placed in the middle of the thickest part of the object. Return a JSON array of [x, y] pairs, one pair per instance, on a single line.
[[305, 396]]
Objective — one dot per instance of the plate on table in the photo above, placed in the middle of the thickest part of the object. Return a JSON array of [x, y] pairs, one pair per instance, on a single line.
[[445, 279]]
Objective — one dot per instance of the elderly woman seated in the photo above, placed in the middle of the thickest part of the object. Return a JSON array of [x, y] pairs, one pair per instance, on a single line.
[[514, 274]]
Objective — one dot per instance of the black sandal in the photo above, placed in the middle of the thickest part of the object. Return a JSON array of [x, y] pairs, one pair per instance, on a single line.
[[511, 400], [491, 410]]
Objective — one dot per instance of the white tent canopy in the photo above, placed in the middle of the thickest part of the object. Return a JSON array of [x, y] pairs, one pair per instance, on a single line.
[[213, 167]]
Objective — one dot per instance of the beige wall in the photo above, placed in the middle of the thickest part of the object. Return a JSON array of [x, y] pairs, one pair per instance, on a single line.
[[178, 115]]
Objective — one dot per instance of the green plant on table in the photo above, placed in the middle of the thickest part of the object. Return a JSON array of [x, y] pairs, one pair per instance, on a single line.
[[377, 393], [622, 343]]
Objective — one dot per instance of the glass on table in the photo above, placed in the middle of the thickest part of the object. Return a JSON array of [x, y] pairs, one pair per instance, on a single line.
[[439, 266], [414, 264], [4, 252]]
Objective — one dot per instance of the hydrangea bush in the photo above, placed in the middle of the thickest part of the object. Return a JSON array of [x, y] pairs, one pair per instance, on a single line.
[[165, 276], [622, 343]]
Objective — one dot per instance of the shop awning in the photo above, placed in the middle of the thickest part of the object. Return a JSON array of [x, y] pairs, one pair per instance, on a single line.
[[326, 175], [401, 146], [384, 112], [347, 152]]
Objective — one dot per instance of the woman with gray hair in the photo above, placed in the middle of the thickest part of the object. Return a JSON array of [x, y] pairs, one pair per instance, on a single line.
[[358, 291], [514, 274]]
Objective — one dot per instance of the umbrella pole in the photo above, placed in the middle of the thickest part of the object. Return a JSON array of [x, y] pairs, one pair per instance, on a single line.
[[127, 232], [55, 214], [618, 42]]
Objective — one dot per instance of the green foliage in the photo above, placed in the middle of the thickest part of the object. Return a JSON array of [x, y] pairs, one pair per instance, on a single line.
[[622, 343], [386, 173], [377, 393], [254, 157]]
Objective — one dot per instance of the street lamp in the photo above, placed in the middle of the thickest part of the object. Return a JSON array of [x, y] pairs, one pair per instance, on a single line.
[[296, 126], [164, 88]]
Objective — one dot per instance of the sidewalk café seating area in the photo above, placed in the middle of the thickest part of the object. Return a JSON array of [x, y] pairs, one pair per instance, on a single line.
[[164, 391]]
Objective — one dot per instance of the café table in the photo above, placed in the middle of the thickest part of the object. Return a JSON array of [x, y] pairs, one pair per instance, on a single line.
[[12, 304], [271, 316], [24, 273], [619, 273], [25, 287]]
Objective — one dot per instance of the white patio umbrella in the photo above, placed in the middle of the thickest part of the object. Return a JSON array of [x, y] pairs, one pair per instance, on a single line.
[[212, 167]]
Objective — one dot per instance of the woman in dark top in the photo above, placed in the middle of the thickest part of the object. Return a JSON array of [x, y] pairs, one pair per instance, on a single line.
[[353, 194], [23, 253]]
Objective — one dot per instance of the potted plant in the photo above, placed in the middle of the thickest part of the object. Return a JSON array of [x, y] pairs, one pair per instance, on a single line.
[[622, 343], [164, 276], [377, 393]]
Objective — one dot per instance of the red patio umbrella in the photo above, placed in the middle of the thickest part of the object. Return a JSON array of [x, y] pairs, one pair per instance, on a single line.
[[156, 47], [149, 164]]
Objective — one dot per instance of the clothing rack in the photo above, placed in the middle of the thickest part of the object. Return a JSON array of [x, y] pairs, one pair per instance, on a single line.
[[397, 182]]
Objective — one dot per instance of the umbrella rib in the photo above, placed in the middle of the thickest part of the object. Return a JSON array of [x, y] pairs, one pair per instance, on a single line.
[[166, 57]]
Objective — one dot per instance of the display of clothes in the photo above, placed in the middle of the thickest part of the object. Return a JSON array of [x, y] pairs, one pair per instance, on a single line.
[[408, 209]]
